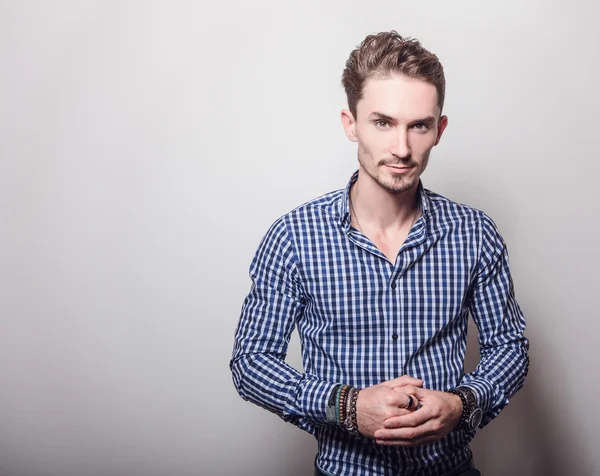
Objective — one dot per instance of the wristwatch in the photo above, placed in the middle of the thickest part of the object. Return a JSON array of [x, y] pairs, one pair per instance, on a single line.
[[472, 414]]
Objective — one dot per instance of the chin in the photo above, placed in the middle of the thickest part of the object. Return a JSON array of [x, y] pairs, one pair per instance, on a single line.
[[397, 185]]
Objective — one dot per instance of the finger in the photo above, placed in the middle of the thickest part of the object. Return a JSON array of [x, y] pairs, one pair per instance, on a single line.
[[412, 419], [407, 389], [406, 443], [404, 380], [427, 430], [399, 397], [419, 392], [403, 398], [407, 396]]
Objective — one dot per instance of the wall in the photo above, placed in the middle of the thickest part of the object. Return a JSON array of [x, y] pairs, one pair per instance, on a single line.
[[145, 148]]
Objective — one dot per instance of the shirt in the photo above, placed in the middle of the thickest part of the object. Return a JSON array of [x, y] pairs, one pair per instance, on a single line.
[[362, 320]]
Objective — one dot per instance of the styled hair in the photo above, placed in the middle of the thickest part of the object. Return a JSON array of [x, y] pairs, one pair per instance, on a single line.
[[387, 53]]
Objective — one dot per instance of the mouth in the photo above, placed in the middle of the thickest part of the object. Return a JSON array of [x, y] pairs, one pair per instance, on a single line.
[[398, 169]]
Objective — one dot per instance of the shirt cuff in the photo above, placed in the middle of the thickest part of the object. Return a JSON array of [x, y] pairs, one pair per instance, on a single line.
[[483, 390], [313, 396]]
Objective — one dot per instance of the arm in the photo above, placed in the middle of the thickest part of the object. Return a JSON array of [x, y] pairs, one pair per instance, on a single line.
[[268, 318], [504, 357], [503, 350]]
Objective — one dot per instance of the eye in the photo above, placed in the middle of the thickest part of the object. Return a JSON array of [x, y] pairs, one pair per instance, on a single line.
[[420, 126], [382, 124]]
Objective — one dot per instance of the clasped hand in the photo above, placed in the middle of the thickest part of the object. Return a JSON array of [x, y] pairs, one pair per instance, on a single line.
[[383, 412]]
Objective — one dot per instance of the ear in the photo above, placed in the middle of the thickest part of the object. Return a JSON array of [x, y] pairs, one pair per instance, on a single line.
[[349, 124], [442, 124]]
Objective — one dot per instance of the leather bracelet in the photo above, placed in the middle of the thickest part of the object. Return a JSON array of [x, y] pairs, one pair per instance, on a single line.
[[331, 404]]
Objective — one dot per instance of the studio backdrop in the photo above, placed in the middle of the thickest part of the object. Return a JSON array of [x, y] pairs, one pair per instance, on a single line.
[[147, 146]]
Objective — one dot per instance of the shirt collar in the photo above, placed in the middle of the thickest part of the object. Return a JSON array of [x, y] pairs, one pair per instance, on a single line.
[[345, 217]]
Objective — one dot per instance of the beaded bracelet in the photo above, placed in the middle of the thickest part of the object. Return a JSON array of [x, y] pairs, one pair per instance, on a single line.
[[337, 405], [342, 402]]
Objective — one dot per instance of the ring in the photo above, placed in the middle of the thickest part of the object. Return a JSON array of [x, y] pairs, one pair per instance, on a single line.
[[410, 402]]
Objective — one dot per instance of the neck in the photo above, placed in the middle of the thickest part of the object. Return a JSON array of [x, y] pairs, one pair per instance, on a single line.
[[380, 209]]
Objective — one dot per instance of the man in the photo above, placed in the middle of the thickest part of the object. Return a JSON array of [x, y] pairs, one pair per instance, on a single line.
[[379, 279]]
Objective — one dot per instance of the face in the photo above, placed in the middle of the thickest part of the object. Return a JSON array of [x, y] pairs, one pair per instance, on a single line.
[[397, 124]]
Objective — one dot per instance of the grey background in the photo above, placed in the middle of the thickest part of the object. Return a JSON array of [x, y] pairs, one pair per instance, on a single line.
[[145, 148]]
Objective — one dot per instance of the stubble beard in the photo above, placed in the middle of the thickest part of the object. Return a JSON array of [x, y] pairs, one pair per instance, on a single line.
[[393, 183]]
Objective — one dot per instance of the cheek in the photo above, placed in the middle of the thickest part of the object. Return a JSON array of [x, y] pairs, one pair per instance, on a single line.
[[422, 144], [380, 142], [370, 142]]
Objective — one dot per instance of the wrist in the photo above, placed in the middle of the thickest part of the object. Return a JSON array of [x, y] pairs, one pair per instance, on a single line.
[[350, 422], [457, 409], [471, 413], [341, 407]]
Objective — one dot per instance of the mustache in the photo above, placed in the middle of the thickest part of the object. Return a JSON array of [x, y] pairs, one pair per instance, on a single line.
[[404, 162]]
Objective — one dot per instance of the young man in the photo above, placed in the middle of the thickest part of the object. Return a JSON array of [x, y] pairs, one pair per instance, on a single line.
[[379, 279]]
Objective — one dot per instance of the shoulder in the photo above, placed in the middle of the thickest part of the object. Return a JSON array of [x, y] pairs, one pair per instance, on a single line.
[[446, 209], [446, 212], [325, 206], [316, 213]]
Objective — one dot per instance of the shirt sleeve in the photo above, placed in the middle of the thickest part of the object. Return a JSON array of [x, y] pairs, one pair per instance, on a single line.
[[503, 348], [269, 314]]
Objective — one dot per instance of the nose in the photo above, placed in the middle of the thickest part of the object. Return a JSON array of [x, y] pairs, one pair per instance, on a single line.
[[400, 146]]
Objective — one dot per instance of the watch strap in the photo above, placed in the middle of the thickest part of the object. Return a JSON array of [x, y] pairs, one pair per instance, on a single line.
[[472, 414]]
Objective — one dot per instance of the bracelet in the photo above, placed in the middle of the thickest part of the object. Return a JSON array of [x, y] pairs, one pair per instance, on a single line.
[[342, 402], [337, 404], [350, 423], [331, 404], [465, 405], [351, 392]]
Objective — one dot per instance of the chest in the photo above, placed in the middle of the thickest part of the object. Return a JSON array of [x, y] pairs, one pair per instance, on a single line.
[[352, 286], [389, 245]]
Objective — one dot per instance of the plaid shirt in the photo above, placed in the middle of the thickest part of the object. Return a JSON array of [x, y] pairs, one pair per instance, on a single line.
[[363, 320]]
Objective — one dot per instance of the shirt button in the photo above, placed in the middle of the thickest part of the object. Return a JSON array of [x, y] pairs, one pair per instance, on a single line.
[[393, 285], [395, 336]]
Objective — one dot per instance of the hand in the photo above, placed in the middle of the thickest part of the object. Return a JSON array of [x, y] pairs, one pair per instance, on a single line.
[[439, 413], [384, 401]]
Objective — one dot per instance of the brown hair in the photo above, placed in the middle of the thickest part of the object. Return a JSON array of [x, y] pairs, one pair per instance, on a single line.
[[388, 53]]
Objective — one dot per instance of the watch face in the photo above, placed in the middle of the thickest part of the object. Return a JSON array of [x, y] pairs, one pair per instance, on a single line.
[[475, 418]]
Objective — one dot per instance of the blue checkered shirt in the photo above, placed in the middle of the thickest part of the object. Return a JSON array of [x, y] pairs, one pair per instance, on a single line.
[[363, 320]]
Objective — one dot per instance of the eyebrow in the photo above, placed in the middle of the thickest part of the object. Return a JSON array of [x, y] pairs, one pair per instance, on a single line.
[[429, 120], [379, 115]]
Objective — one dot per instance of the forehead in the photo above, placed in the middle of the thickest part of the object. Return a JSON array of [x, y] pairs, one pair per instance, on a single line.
[[399, 97]]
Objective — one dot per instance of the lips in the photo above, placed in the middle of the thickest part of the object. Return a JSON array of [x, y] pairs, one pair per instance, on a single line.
[[399, 168]]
